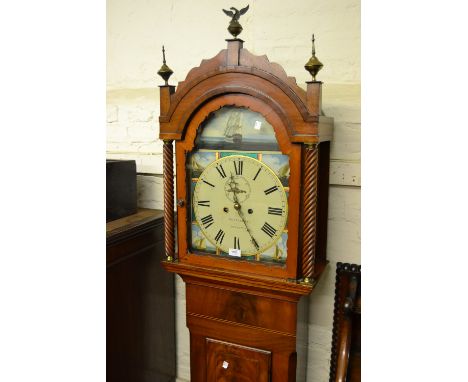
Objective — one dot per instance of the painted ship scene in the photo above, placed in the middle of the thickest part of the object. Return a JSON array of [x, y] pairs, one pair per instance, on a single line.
[[235, 128]]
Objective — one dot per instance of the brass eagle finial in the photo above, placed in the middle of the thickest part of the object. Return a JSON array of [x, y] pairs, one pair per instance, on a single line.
[[234, 27], [236, 14]]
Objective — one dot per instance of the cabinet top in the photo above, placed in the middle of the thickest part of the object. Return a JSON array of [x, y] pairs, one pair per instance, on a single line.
[[142, 217]]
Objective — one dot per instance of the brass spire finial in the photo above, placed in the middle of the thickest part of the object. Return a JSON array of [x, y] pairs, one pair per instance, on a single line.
[[165, 72], [313, 66], [164, 53], [234, 27]]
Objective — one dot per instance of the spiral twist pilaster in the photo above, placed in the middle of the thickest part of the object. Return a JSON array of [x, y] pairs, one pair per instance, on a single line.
[[309, 211], [168, 173]]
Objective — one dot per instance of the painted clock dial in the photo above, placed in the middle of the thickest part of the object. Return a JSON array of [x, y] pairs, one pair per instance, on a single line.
[[239, 203]]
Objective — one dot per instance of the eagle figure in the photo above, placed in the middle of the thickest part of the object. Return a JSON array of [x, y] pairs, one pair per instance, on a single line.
[[236, 14]]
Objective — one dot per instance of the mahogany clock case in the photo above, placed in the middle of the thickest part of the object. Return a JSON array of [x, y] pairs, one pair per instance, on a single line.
[[246, 317]]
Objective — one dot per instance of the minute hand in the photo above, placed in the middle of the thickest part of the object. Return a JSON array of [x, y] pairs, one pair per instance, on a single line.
[[246, 227], [238, 207]]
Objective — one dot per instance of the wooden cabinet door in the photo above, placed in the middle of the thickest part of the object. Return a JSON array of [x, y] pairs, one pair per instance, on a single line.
[[227, 362]]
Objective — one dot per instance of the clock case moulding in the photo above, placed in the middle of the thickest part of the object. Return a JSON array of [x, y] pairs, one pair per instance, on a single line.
[[236, 77]]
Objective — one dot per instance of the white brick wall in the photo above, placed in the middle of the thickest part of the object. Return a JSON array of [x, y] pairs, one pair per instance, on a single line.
[[136, 30]]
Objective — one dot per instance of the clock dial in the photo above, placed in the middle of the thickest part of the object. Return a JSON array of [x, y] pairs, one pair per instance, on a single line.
[[239, 203]]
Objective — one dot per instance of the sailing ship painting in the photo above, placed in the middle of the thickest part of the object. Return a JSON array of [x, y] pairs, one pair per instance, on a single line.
[[199, 160], [283, 174], [279, 163], [237, 128], [278, 252], [199, 241], [197, 168], [233, 130]]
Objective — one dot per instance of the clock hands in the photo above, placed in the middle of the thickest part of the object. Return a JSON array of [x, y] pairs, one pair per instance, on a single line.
[[237, 206]]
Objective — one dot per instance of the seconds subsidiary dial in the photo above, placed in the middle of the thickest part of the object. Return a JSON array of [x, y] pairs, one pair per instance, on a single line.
[[240, 203]]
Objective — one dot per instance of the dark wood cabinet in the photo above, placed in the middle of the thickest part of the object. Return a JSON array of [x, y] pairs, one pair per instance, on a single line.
[[140, 301]]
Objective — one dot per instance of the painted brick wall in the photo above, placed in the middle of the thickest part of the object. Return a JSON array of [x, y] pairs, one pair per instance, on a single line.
[[136, 29]]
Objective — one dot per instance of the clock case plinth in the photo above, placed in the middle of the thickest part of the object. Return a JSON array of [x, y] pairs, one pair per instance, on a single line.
[[249, 309]]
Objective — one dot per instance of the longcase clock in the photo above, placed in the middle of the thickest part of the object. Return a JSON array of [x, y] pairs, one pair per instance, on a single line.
[[252, 159]]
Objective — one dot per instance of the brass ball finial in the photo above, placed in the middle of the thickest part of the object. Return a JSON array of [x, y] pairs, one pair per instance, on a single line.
[[165, 72], [313, 66]]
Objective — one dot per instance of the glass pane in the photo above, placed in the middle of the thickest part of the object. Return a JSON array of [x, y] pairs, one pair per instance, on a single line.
[[237, 128], [236, 131]]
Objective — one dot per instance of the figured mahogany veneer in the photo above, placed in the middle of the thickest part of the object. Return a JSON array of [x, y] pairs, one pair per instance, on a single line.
[[235, 317], [234, 362]]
